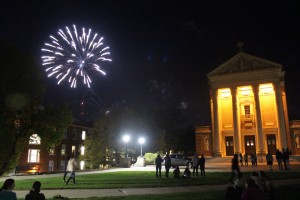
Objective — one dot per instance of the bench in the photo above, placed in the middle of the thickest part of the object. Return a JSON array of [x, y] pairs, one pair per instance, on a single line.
[[27, 169]]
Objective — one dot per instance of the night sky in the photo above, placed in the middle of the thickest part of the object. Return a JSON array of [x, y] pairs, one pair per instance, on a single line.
[[171, 41]]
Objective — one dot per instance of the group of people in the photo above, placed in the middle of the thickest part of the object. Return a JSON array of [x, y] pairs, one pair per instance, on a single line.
[[196, 161], [244, 159], [252, 188], [283, 159], [6, 191]]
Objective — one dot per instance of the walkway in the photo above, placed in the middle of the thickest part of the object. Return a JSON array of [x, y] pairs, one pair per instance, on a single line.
[[84, 193]]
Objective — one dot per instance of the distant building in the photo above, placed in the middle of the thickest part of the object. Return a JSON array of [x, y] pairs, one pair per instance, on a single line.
[[38, 158], [248, 109], [295, 136]]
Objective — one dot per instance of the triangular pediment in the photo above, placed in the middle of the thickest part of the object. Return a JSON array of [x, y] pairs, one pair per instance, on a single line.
[[243, 62]]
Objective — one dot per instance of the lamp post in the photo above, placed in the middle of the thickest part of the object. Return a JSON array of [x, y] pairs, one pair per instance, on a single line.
[[126, 139], [141, 141]]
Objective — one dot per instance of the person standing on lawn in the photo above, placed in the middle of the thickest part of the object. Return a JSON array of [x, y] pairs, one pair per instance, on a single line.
[[255, 158], [284, 158], [288, 164], [167, 160], [246, 159], [269, 159], [158, 162], [279, 159], [241, 159], [71, 168], [234, 167], [195, 164], [202, 165]]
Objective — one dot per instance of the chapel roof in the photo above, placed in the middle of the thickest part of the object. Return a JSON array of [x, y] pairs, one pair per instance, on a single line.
[[243, 62]]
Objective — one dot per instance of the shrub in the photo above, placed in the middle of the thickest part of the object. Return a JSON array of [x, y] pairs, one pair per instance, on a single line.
[[150, 158]]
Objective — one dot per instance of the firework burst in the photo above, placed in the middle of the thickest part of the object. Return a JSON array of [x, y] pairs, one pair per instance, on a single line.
[[72, 56]]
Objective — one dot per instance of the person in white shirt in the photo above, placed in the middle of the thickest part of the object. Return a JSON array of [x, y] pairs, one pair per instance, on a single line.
[[71, 168]]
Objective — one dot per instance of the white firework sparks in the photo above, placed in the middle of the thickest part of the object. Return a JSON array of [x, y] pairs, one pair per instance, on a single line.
[[72, 56]]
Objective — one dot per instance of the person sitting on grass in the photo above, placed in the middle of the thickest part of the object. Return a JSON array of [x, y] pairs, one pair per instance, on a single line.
[[187, 173], [34, 193], [239, 184], [6, 190], [176, 173], [252, 191], [231, 193], [256, 179]]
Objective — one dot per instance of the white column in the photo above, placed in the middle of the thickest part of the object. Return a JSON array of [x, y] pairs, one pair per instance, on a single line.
[[260, 138], [236, 130], [281, 122], [216, 134]]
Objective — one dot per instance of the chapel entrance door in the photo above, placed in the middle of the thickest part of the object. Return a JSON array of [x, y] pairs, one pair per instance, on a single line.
[[229, 145], [250, 144], [271, 142]]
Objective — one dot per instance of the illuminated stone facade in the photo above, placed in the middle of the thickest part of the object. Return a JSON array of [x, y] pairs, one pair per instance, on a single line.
[[248, 107]]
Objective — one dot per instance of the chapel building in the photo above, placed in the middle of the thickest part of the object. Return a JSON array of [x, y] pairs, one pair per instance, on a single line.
[[248, 107]]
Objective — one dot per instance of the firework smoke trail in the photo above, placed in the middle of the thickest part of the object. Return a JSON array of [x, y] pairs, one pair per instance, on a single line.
[[72, 56]]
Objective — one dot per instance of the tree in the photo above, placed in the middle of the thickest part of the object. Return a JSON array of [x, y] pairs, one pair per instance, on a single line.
[[21, 92], [173, 118]]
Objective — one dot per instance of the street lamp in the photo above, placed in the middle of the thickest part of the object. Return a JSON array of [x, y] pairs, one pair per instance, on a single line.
[[126, 139], [141, 141]]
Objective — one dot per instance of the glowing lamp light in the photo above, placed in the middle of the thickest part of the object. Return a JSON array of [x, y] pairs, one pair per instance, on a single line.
[[126, 139], [141, 141]]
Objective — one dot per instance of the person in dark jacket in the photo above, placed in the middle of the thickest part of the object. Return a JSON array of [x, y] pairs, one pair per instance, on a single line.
[[6, 191], [176, 172], [288, 158], [167, 160], [158, 162], [279, 159], [34, 193], [187, 173], [246, 159], [234, 167], [252, 191], [284, 158], [195, 160], [202, 165]]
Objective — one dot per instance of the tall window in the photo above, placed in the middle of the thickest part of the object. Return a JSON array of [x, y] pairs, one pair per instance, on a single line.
[[83, 135], [247, 109], [52, 150], [33, 155], [82, 150], [63, 149], [51, 165], [62, 165], [73, 150]]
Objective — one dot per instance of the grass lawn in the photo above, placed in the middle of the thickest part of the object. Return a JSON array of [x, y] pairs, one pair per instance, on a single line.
[[140, 179]]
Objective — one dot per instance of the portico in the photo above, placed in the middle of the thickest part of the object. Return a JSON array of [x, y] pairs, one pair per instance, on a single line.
[[248, 106]]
